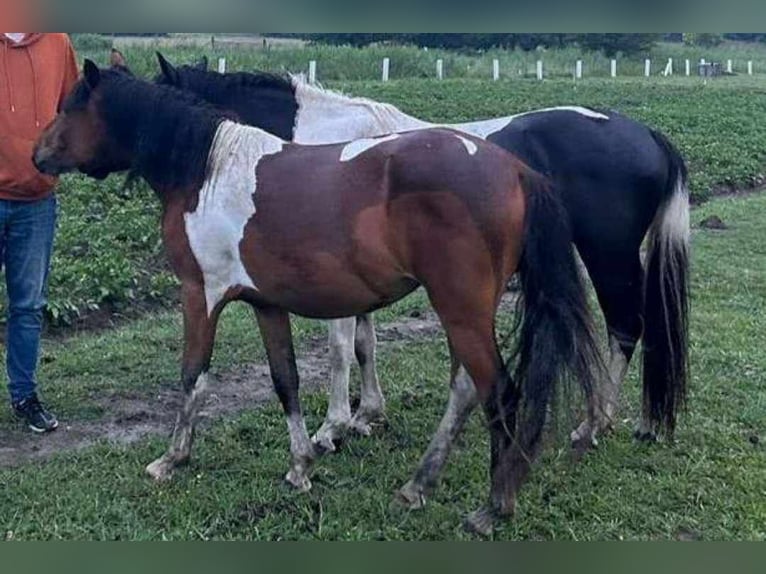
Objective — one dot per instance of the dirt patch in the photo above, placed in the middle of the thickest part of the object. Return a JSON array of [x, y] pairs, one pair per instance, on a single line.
[[713, 222], [133, 417]]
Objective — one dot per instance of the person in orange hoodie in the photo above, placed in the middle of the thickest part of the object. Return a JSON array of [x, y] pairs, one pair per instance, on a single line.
[[36, 73]]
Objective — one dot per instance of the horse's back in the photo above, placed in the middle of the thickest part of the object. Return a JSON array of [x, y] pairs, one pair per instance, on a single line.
[[611, 173]]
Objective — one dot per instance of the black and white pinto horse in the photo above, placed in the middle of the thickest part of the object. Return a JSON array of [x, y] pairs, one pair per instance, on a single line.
[[621, 182]]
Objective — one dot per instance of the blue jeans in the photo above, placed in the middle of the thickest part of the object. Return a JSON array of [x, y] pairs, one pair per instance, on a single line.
[[26, 243]]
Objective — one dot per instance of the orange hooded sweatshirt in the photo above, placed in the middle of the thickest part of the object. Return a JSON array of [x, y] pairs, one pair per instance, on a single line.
[[36, 74]]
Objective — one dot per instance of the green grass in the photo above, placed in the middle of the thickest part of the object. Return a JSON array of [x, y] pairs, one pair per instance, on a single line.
[[710, 484]]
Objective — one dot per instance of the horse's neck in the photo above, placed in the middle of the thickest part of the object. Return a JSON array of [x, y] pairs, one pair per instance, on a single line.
[[325, 118]]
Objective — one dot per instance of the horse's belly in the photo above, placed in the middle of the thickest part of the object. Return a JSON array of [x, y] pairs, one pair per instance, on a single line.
[[324, 286]]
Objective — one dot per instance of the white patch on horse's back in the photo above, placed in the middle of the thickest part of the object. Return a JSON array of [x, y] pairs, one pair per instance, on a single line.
[[471, 147], [358, 147], [486, 128], [225, 205]]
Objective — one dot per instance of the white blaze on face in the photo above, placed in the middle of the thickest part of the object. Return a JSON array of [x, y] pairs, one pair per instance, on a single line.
[[358, 147], [216, 227]]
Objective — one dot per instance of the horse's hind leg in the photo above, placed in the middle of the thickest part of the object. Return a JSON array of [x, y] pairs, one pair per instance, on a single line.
[[274, 325], [199, 336], [462, 401], [372, 405], [338, 418], [618, 281]]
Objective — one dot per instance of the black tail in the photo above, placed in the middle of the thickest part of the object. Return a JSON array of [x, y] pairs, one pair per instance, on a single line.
[[555, 340], [666, 301]]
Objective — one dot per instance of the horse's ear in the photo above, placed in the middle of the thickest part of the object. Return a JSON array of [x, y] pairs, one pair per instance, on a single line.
[[202, 64], [170, 73], [117, 60], [91, 73]]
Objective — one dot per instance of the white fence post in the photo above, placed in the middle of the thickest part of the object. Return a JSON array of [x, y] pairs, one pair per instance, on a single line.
[[312, 72], [440, 69], [647, 67], [221, 65], [750, 68], [688, 67], [496, 70], [668, 68], [539, 69], [386, 68], [578, 69], [729, 67], [614, 68]]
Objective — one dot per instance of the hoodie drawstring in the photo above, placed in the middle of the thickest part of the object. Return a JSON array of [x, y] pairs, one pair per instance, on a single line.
[[7, 75], [34, 85]]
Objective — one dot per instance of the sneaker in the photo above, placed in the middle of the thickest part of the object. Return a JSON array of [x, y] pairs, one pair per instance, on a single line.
[[34, 413]]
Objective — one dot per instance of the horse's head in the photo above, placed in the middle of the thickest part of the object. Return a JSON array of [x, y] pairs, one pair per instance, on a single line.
[[178, 77], [77, 139]]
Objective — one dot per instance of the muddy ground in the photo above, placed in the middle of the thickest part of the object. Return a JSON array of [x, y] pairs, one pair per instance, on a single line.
[[132, 418]]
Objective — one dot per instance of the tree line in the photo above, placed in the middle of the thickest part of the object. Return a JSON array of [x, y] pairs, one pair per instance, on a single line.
[[609, 44]]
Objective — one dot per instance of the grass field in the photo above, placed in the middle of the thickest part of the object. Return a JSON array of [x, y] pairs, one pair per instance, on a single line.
[[710, 484]]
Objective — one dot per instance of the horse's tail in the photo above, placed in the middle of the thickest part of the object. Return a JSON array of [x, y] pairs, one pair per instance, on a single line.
[[555, 342], [666, 299]]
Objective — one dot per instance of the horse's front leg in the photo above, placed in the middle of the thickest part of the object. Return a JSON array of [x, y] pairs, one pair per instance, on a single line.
[[199, 336], [275, 332]]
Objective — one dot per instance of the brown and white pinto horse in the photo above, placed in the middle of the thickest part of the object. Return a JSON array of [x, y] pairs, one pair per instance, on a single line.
[[338, 230]]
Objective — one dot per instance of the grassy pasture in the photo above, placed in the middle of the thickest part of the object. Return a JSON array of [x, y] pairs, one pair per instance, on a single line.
[[710, 484]]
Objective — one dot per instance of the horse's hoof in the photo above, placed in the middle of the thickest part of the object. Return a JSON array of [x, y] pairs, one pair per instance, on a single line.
[[410, 496], [323, 444], [645, 436], [299, 482], [364, 421], [161, 469], [480, 522], [327, 438], [360, 427]]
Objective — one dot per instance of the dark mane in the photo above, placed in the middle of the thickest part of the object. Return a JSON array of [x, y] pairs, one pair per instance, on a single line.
[[259, 99], [168, 131]]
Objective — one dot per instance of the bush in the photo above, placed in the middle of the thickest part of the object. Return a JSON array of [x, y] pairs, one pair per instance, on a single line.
[[90, 42], [703, 40], [108, 251]]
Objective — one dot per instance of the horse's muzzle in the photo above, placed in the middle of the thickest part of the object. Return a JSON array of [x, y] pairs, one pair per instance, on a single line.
[[44, 164]]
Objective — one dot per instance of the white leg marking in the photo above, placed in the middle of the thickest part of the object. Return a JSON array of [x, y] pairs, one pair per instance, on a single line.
[[462, 400], [607, 398], [301, 451], [372, 405], [341, 340], [180, 444]]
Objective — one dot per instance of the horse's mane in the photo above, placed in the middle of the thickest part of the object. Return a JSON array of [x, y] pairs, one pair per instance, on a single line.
[[239, 91], [169, 131], [215, 83]]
